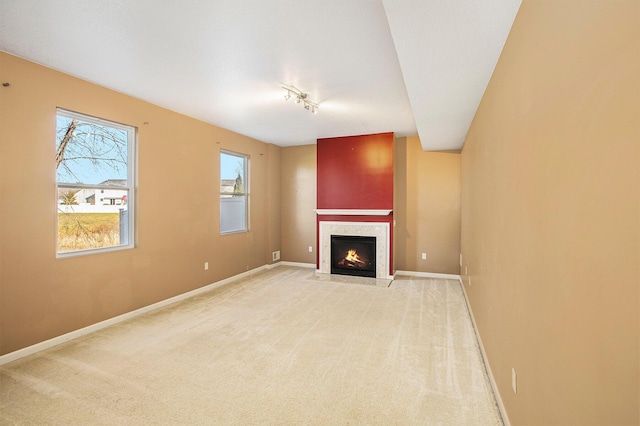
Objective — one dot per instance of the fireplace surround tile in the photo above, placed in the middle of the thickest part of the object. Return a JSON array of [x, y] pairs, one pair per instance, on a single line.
[[380, 230]]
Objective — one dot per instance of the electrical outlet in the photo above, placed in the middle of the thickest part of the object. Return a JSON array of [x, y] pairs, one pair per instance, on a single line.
[[206, 266], [424, 256], [466, 270], [310, 249], [514, 381], [461, 260], [276, 255]]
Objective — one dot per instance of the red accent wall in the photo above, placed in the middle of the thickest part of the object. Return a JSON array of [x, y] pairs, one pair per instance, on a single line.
[[355, 172]]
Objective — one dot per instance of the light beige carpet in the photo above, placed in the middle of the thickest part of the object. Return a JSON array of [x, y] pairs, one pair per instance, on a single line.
[[277, 348]]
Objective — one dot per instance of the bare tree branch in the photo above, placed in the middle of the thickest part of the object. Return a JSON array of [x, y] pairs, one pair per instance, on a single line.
[[65, 141]]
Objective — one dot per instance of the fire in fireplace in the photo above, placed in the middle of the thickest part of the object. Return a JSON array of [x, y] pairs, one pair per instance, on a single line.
[[353, 255]]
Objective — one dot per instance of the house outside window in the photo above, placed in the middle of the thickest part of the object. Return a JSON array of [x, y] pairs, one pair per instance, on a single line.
[[234, 192], [95, 177]]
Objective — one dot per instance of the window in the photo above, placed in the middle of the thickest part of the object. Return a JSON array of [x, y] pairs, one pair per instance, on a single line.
[[95, 170], [234, 192]]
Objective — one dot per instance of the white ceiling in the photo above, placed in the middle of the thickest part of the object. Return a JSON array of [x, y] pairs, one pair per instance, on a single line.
[[404, 66]]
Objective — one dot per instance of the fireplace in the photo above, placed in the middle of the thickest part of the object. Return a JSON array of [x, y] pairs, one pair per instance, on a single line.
[[353, 255], [380, 231]]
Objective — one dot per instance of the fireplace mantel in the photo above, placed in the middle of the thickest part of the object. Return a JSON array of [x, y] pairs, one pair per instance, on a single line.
[[352, 212]]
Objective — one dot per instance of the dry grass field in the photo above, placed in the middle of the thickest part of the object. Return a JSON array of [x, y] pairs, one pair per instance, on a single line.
[[79, 231]]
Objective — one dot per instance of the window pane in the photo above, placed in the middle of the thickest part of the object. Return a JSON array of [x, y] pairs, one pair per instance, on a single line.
[[232, 214], [90, 153], [92, 218], [232, 170], [94, 176]]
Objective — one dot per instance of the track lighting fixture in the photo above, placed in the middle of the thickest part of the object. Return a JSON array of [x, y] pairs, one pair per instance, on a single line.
[[300, 97]]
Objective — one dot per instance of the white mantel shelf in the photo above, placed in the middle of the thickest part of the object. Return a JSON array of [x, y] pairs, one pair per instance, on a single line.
[[352, 212]]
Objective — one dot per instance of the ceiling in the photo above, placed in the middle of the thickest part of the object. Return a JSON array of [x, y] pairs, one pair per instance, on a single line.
[[413, 67]]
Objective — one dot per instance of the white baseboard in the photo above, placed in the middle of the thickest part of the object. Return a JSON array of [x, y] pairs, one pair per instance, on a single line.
[[20, 353], [496, 392], [273, 265], [301, 265], [428, 275]]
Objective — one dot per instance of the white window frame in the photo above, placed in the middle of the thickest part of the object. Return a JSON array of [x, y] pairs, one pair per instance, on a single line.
[[246, 191], [132, 144]]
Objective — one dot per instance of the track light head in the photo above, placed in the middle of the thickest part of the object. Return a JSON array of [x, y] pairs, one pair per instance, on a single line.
[[300, 97]]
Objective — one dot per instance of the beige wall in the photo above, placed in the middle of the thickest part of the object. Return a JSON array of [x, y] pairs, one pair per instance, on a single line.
[[178, 210], [298, 196], [550, 214], [426, 209], [273, 200]]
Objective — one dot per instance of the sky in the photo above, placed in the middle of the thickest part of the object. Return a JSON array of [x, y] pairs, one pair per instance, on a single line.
[[228, 166]]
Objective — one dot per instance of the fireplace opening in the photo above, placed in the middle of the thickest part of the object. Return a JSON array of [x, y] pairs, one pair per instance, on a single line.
[[353, 255]]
